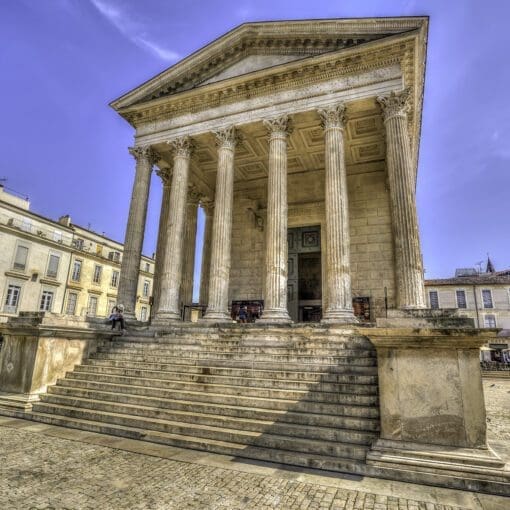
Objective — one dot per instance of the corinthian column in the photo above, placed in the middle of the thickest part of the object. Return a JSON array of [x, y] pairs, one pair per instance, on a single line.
[[168, 308], [145, 157], [409, 270], [275, 298], [338, 277], [166, 178], [217, 305], [208, 208], [190, 235]]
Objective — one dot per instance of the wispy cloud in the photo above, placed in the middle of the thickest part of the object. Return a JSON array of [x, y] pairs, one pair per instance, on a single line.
[[132, 29]]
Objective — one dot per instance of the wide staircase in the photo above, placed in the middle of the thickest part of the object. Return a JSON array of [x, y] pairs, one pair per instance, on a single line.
[[300, 396]]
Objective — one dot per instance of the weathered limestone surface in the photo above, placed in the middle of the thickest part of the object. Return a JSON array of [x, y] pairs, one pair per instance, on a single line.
[[166, 179], [219, 275], [208, 208], [40, 348], [275, 292], [190, 235], [337, 242], [409, 268], [135, 230], [169, 308], [431, 401]]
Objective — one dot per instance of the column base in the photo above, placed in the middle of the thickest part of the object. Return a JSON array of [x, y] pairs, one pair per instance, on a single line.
[[214, 317], [342, 316], [274, 317], [163, 318]]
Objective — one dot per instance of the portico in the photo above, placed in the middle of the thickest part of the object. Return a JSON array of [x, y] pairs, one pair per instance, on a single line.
[[278, 139]]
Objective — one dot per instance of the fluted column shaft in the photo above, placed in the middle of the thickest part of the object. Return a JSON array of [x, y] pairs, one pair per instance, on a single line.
[[166, 178], [130, 267], [206, 253], [169, 309], [338, 277], [188, 263], [409, 268], [275, 297], [219, 276]]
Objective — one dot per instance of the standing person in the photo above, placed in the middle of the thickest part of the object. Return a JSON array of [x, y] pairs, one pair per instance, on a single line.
[[118, 316], [243, 314]]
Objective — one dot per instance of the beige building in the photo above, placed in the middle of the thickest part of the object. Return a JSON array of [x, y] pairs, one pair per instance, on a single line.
[[484, 297], [59, 267], [301, 145]]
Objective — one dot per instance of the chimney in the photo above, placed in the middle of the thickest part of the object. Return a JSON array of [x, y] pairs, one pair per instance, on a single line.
[[65, 220]]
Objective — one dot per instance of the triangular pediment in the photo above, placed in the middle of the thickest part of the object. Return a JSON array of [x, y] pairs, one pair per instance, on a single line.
[[253, 47]]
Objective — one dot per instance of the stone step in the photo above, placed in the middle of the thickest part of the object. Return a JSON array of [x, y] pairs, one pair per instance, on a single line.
[[240, 356], [162, 350], [244, 437], [311, 460], [207, 369], [252, 382], [310, 394], [252, 424], [267, 403], [222, 409]]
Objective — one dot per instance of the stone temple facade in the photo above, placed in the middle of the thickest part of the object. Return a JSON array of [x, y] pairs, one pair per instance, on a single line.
[[297, 137], [300, 141]]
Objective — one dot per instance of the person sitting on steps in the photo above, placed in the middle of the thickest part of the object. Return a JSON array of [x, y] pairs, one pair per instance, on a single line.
[[117, 315]]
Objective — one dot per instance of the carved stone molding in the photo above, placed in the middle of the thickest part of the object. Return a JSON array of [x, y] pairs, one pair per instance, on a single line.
[[165, 173], [395, 104], [182, 147], [333, 116], [144, 152], [227, 138], [279, 126], [194, 195], [207, 204]]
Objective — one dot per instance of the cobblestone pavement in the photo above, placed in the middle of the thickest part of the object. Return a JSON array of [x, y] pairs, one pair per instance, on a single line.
[[44, 470], [497, 402]]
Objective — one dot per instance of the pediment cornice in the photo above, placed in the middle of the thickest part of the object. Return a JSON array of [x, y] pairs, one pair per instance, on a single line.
[[301, 39]]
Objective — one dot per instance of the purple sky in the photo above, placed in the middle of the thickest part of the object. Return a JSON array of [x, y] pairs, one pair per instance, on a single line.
[[63, 61]]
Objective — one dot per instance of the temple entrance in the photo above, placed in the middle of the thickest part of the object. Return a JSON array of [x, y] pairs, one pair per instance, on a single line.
[[304, 291]]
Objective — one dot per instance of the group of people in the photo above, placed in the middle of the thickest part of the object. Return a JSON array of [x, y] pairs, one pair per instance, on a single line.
[[117, 316]]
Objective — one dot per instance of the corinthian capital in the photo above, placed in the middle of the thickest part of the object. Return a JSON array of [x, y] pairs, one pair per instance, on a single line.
[[166, 175], [227, 138], [182, 147], [395, 104], [278, 127], [333, 116], [194, 195], [144, 152]]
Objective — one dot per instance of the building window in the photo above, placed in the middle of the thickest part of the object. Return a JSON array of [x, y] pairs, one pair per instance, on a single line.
[[72, 298], [114, 255], [146, 287], [12, 298], [487, 298], [92, 308], [78, 243], [489, 321], [143, 314], [115, 279], [53, 263], [434, 299], [57, 236], [46, 301], [76, 275], [97, 274], [461, 299], [20, 260], [147, 267]]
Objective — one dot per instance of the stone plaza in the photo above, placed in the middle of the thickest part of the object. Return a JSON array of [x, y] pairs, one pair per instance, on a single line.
[[299, 140]]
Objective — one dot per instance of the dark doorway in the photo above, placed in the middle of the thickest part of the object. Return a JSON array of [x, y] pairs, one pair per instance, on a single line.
[[304, 274]]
